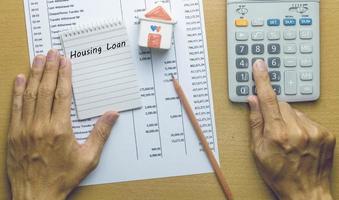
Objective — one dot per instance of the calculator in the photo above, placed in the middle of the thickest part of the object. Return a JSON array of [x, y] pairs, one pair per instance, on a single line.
[[283, 33]]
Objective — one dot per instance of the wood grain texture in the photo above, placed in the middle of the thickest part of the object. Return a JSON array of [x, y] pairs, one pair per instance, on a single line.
[[232, 119]]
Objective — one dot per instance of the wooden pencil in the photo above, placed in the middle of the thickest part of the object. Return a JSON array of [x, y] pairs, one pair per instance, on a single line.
[[202, 138]]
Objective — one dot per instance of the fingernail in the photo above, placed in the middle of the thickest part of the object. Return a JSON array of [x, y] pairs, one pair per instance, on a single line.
[[20, 80], [112, 117], [63, 62], [260, 65], [52, 55], [38, 61], [252, 101]]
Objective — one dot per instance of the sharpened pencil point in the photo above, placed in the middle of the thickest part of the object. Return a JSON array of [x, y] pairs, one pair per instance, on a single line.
[[172, 77]]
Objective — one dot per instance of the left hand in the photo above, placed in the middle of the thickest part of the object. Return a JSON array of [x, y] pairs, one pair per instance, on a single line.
[[44, 159]]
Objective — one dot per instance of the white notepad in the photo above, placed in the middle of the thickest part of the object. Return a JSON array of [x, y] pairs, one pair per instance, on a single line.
[[104, 75]]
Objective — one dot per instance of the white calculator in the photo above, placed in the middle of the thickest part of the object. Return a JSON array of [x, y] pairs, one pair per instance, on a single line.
[[285, 34]]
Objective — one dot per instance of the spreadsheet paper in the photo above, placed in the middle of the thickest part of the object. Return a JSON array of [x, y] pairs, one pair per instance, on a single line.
[[157, 140]]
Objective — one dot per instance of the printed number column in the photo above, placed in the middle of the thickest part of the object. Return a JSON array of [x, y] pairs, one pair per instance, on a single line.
[[39, 21], [194, 33], [169, 108], [145, 121]]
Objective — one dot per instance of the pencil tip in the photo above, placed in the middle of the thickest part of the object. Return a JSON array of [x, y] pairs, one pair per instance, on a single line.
[[172, 77]]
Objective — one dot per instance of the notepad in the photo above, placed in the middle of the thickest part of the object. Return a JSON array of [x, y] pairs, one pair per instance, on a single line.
[[104, 75]]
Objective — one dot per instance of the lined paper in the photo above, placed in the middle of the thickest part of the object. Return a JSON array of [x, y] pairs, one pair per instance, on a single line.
[[104, 75]]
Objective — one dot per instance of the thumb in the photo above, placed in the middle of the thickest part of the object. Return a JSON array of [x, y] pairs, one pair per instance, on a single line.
[[101, 132], [256, 120]]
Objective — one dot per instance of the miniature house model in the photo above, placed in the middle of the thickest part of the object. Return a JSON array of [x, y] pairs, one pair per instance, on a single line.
[[156, 28]]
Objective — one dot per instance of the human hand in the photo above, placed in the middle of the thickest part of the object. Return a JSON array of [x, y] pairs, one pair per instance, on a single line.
[[44, 160], [294, 155]]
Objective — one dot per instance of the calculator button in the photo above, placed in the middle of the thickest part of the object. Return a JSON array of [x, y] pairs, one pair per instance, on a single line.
[[290, 22], [258, 49], [243, 90], [306, 62], [273, 48], [290, 62], [255, 59], [306, 48], [290, 82], [241, 49], [275, 76], [243, 76], [306, 76], [273, 35], [277, 89], [257, 22], [241, 36], [241, 22], [258, 35], [242, 63], [290, 49], [306, 89], [274, 62], [305, 21], [290, 34], [306, 34], [273, 22]]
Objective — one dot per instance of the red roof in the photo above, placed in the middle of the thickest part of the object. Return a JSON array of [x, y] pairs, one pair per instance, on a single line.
[[158, 13]]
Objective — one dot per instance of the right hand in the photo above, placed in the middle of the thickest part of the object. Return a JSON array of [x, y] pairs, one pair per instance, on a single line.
[[294, 155]]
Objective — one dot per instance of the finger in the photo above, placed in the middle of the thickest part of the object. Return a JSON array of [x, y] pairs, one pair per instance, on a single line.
[[18, 93], [31, 91], [48, 85], [321, 143], [267, 97], [316, 132], [256, 120], [296, 132], [305, 120], [63, 92], [101, 132], [327, 154]]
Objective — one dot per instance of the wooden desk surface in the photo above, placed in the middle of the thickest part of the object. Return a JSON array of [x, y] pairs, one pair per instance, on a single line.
[[232, 119]]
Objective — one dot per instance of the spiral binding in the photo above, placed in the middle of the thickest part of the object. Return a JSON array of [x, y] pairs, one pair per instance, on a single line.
[[92, 28]]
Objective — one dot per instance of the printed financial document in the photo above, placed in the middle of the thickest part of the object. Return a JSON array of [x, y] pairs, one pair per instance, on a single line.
[[157, 140]]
